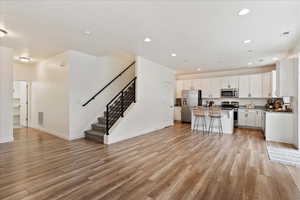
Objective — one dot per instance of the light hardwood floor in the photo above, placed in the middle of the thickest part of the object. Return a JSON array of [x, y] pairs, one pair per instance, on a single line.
[[173, 163]]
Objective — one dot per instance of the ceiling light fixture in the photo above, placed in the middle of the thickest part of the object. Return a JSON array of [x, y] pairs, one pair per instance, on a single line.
[[286, 33], [24, 59], [275, 58], [87, 33], [250, 63], [198, 69], [244, 11], [147, 39], [247, 41], [3, 33], [173, 54]]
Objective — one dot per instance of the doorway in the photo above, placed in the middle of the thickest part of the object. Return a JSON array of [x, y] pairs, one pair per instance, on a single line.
[[21, 104]]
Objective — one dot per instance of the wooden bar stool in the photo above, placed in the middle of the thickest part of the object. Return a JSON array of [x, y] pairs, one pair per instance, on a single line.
[[199, 115], [215, 114]]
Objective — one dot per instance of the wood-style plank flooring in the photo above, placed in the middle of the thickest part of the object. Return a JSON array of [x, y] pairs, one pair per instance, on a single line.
[[173, 163]]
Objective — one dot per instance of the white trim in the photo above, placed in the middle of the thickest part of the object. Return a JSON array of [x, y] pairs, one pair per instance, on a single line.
[[50, 132], [5, 140]]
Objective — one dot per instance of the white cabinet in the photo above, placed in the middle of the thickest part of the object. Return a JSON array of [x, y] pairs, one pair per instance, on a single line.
[[187, 85], [242, 117], [255, 85], [177, 113], [250, 86], [215, 87], [230, 82], [197, 84], [250, 118], [279, 127], [285, 77], [179, 88], [244, 89], [274, 83], [267, 85]]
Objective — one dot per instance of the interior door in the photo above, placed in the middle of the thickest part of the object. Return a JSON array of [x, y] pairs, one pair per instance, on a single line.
[[24, 103], [168, 101]]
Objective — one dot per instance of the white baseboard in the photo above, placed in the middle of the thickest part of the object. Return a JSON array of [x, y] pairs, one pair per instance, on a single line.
[[108, 140], [6, 140], [51, 132]]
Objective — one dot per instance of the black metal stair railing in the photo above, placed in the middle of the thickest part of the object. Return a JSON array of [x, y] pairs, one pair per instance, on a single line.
[[118, 105], [108, 84]]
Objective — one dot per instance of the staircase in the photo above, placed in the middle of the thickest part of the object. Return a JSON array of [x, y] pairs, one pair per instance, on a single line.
[[115, 110]]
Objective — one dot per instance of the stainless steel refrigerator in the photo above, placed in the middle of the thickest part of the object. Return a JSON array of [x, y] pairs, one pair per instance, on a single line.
[[189, 99]]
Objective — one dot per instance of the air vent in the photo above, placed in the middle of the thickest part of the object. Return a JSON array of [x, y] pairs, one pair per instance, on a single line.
[[41, 118]]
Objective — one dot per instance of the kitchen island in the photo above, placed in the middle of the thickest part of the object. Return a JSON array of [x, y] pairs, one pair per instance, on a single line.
[[227, 122]]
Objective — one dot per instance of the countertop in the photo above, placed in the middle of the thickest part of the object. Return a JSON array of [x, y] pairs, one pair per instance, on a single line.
[[263, 108]]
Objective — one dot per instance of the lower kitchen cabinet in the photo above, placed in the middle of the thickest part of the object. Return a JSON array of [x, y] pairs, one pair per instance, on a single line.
[[177, 113], [279, 127], [252, 118]]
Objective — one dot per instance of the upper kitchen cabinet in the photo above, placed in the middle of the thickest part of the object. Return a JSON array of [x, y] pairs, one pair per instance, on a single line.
[[255, 85], [230, 82], [179, 88], [267, 85], [285, 77], [215, 87], [206, 88], [187, 85], [211, 87], [250, 86], [244, 87]]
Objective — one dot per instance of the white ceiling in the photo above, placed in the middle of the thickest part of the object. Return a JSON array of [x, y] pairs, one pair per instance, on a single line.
[[206, 35]]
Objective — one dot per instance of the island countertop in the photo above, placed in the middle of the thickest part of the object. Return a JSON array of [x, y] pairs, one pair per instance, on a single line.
[[226, 119]]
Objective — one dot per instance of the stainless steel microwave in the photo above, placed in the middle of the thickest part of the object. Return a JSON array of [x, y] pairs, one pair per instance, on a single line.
[[230, 93]]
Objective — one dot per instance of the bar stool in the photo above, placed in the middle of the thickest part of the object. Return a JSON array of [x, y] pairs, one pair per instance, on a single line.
[[199, 115], [215, 114]]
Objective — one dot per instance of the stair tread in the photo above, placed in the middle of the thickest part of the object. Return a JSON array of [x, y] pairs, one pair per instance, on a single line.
[[101, 125], [94, 132]]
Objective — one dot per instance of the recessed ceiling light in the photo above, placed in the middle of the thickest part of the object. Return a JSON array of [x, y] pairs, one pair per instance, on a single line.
[[173, 54], [247, 41], [147, 39], [24, 59], [87, 33], [244, 11], [3, 33], [250, 63], [286, 33], [275, 58], [198, 69]]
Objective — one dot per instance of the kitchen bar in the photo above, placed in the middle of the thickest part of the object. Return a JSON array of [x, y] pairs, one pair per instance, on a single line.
[[226, 119]]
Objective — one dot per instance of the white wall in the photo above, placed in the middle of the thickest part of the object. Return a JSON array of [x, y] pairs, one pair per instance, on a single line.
[[296, 105], [50, 95], [6, 92], [88, 74], [155, 96], [24, 72]]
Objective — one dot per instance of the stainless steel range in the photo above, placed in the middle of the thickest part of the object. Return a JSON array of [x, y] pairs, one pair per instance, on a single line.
[[232, 105]]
